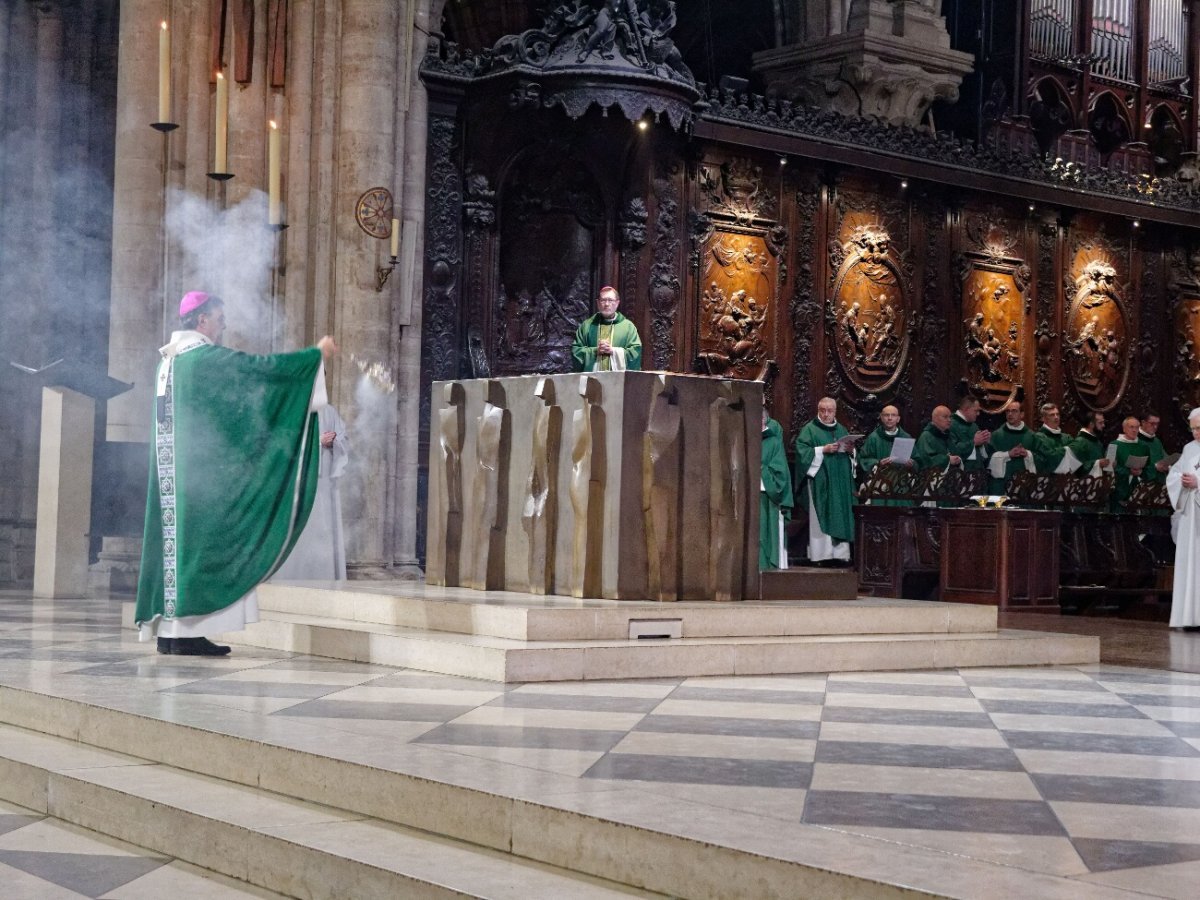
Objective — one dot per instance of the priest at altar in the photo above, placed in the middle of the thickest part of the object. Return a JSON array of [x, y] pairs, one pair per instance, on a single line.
[[606, 341], [825, 482], [233, 472]]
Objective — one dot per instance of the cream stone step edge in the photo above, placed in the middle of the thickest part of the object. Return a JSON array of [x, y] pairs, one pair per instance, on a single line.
[[458, 611], [502, 660], [283, 844], [626, 837]]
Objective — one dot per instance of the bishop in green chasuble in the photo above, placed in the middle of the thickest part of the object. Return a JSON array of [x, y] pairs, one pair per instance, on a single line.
[[775, 498], [825, 475], [233, 474]]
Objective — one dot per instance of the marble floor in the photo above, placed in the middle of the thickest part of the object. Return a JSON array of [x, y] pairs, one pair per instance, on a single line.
[[1083, 779]]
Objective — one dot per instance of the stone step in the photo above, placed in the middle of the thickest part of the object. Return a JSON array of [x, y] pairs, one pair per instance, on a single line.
[[532, 617], [284, 844], [506, 660], [809, 583]]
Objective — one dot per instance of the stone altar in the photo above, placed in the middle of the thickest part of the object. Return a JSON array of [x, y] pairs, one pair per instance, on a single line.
[[616, 485]]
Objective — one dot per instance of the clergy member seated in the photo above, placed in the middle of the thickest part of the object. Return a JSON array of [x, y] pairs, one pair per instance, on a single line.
[[1184, 491], [1010, 449], [1123, 450], [606, 341], [1156, 469], [877, 448], [233, 473], [775, 497], [320, 554], [825, 477], [967, 439], [1086, 447]]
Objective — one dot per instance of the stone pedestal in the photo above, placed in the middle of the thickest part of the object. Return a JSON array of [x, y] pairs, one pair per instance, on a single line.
[[892, 62], [64, 494], [621, 485]]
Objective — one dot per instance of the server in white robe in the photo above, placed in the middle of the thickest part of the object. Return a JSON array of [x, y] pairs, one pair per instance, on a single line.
[[320, 553], [1182, 482]]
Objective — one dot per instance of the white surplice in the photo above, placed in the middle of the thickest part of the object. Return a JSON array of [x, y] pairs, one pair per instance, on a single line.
[[1185, 528]]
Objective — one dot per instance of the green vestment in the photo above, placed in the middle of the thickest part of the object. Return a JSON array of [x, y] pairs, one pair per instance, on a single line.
[[1004, 439], [877, 447], [1059, 438], [1049, 447], [1156, 452], [1126, 480], [775, 496], [588, 335], [1087, 449], [933, 448], [831, 489], [233, 474], [962, 444]]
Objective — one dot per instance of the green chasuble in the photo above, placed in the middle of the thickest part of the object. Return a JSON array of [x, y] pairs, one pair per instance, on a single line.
[[1157, 452], [233, 475], [1087, 449], [962, 443], [619, 333], [831, 490], [933, 448], [1048, 451], [878, 446], [775, 496], [1126, 479], [1003, 440], [1055, 438]]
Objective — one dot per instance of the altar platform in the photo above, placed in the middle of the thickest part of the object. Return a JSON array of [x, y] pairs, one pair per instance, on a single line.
[[511, 636]]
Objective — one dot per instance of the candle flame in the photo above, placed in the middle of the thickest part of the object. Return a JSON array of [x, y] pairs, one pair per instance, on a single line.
[[273, 125], [164, 25], [220, 77]]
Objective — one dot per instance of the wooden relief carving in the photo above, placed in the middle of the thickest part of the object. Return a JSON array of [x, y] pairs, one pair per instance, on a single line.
[[1187, 347], [738, 272], [540, 513], [994, 307], [552, 220], [735, 189], [869, 311], [1097, 334]]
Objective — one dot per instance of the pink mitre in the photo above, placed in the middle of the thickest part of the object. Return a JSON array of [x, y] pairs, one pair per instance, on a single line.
[[191, 300]]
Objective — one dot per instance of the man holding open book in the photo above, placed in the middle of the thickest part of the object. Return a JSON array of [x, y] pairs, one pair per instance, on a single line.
[[825, 481]]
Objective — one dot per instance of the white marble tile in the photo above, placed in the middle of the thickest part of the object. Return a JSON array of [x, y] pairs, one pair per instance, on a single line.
[[1051, 855], [1130, 688], [902, 701], [716, 746], [263, 705], [53, 835], [1045, 695], [800, 683], [911, 734], [549, 718], [435, 696], [728, 709], [1080, 725], [635, 689], [1171, 713], [1111, 765], [1110, 821], [563, 762], [299, 676], [920, 780], [1175, 882], [943, 679], [181, 881]]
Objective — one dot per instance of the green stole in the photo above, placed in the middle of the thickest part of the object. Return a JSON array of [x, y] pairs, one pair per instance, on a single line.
[[831, 490], [877, 447], [775, 496], [233, 476], [624, 334], [1087, 450]]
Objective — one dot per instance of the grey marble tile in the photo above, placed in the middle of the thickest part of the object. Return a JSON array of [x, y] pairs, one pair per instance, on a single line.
[[90, 874], [703, 770], [724, 725], [1135, 678], [13, 821], [84, 657], [405, 679], [871, 753], [1177, 700], [907, 690], [151, 665], [214, 687], [1130, 791], [515, 736], [1107, 856], [737, 695], [1099, 743], [974, 814], [369, 709], [881, 716], [1183, 729], [1033, 684], [319, 664], [1044, 708], [576, 701]]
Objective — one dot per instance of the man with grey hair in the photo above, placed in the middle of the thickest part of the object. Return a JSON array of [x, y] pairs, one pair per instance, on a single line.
[[825, 480]]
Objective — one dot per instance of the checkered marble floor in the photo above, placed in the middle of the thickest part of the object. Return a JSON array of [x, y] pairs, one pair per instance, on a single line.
[[1090, 773]]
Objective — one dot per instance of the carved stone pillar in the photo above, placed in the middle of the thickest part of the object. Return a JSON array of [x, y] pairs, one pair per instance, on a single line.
[[892, 61]]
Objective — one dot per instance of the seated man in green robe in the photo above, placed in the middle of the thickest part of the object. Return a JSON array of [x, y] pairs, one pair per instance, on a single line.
[[1130, 459], [775, 497], [934, 445], [1087, 448], [825, 476], [606, 341], [1010, 449], [967, 440], [233, 476], [1156, 470], [877, 449]]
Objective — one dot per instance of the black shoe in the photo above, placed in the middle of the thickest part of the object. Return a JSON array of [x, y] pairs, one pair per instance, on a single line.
[[166, 645], [198, 646]]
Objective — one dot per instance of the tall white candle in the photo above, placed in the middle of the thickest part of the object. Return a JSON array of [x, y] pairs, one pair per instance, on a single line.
[[274, 201], [395, 238], [221, 161], [164, 74]]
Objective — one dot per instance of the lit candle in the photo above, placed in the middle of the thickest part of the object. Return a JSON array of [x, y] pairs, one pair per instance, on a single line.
[[164, 74], [221, 163], [274, 204], [395, 238]]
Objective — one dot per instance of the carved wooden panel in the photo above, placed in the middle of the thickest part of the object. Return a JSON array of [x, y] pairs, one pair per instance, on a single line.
[[736, 321], [1187, 348], [1097, 331]]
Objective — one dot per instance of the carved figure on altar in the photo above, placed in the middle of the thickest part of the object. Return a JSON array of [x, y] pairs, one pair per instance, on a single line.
[[606, 341]]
